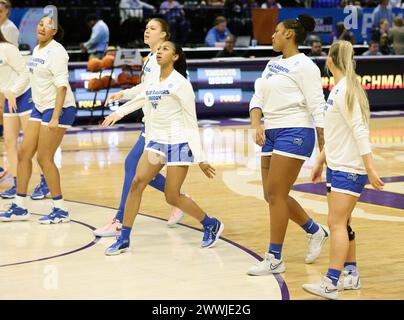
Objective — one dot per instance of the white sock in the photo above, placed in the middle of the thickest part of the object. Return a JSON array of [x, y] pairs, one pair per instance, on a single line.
[[20, 201], [60, 204]]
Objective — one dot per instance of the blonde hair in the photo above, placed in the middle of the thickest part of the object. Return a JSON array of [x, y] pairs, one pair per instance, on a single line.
[[341, 52], [7, 4]]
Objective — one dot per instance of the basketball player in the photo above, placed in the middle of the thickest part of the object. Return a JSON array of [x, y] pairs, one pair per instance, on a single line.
[[7, 27], [172, 139], [349, 159], [53, 113], [289, 95], [11, 34], [156, 32]]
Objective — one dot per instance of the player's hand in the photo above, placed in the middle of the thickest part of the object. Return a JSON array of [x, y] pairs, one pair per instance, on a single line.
[[53, 123], [374, 180], [259, 135], [114, 97], [316, 172], [110, 120], [207, 169], [11, 100]]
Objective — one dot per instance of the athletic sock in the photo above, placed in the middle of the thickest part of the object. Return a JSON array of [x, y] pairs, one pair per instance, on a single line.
[[333, 275], [207, 221], [276, 250], [20, 200], [310, 226]]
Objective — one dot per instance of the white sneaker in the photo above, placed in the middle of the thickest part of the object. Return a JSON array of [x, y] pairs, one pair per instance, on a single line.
[[267, 266], [112, 229], [325, 289], [348, 281], [316, 242]]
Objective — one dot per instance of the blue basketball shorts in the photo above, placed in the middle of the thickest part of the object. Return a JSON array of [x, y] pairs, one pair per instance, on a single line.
[[346, 182], [66, 118], [24, 105], [289, 142], [173, 154]]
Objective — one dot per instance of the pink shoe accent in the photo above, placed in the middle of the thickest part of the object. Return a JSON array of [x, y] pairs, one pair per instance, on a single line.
[[112, 229], [176, 215]]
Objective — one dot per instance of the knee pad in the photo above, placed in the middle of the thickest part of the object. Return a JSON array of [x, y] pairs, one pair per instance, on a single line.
[[351, 233]]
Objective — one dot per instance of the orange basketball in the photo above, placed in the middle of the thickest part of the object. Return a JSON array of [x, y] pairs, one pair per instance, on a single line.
[[135, 79], [94, 84], [124, 79], [105, 82], [108, 62], [94, 65], [137, 68]]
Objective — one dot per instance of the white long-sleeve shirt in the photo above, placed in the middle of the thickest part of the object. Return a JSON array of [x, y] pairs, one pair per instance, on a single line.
[[150, 70], [172, 113], [48, 71], [14, 74], [10, 32], [346, 136], [290, 93]]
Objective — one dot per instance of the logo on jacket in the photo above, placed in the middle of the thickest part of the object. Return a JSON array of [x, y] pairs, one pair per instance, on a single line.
[[352, 176], [298, 141]]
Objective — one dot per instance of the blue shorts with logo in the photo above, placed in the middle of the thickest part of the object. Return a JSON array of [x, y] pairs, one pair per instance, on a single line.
[[24, 105], [174, 154], [346, 182], [66, 118], [289, 142]]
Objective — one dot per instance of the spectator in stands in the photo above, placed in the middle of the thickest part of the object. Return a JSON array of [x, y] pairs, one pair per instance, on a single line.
[[383, 11], [373, 49], [344, 34], [271, 4], [214, 3], [97, 45], [133, 9], [217, 35], [395, 3], [384, 45], [316, 50], [383, 28], [174, 14], [228, 50], [234, 13], [396, 35]]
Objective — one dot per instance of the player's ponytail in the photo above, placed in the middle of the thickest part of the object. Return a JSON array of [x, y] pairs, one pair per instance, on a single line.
[[181, 64], [302, 25], [341, 53]]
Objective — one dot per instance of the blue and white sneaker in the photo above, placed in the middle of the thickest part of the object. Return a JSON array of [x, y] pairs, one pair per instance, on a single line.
[[41, 191], [120, 246], [211, 234], [10, 193], [56, 216], [15, 213]]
